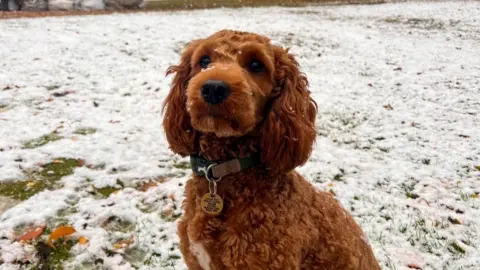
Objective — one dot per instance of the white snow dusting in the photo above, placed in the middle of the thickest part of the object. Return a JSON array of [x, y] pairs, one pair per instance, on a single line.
[[398, 89]]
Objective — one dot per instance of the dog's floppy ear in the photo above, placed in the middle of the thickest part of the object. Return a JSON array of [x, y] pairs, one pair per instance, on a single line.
[[288, 130], [176, 120]]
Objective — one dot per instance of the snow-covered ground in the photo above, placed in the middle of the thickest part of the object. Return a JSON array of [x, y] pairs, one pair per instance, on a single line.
[[398, 86]]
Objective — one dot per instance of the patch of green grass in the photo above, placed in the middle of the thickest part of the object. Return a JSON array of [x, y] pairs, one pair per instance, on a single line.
[[21, 190], [152, 259], [424, 236], [135, 256], [115, 223], [182, 165], [170, 261], [465, 196], [338, 177], [85, 131], [171, 218], [411, 195], [106, 191], [42, 140], [59, 168], [53, 258], [408, 187], [455, 248], [393, 20], [52, 87], [46, 179]]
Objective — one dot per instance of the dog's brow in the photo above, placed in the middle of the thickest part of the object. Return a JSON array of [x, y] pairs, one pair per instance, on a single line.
[[222, 49]]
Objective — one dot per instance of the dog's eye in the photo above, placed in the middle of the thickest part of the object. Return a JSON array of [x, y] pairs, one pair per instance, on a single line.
[[256, 66], [204, 61]]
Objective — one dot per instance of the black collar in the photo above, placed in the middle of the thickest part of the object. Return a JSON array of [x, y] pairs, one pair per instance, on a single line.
[[214, 171]]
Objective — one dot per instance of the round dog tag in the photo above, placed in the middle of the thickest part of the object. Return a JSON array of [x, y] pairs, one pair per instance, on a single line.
[[212, 204]]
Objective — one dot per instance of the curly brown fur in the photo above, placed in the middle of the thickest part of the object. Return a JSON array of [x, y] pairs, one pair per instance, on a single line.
[[272, 217]]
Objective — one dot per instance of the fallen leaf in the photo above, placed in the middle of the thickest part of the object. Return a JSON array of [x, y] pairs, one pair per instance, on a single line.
[[49, 99], [81, 162], [464, 136], [59, 233], [454, 221], [82, 240], [167, 212], [475, 196], [172, 196], [74, 138], [32, 234], [114, 121], [414, 266], [148, 185], [388, 107], [423, 200], [164, 179], [62, 94], [3, 110], [31, 184], [124, 243], [58, 161], [330, 184]]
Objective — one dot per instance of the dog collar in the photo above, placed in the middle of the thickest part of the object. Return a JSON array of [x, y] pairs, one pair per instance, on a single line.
[[214, 171]]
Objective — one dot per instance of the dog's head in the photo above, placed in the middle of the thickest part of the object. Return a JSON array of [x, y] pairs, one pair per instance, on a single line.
[[234, 84]]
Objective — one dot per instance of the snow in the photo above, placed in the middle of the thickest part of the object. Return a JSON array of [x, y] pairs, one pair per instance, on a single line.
[[398, 88]]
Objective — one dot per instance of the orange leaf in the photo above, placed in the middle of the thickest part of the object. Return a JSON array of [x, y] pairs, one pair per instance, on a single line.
[[59, 233], [32, 234], [172, 196], [414, 266], [58, 161], [31, 183], [148, 185], [123, 243], [82, 240], [81, 162]]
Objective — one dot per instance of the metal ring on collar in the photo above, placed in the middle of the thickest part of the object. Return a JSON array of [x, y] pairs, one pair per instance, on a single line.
[[207, 172]]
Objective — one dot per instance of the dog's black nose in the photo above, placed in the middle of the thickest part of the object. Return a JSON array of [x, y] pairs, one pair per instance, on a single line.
[[214, 91]]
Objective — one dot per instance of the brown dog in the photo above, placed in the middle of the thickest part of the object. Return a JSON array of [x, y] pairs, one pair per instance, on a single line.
[[240, 107]]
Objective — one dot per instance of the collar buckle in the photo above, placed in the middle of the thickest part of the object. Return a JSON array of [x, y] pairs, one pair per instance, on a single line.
[[208, 171]]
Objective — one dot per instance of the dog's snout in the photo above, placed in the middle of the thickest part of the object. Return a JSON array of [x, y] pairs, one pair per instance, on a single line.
[[214, 91]]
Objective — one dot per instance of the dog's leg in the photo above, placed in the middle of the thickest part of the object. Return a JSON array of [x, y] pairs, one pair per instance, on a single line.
[[189, 258]]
